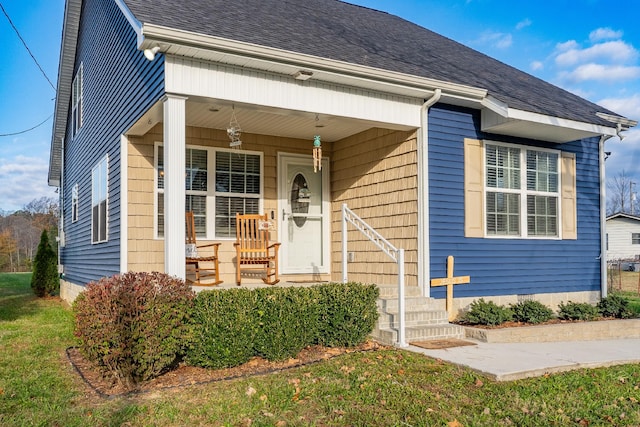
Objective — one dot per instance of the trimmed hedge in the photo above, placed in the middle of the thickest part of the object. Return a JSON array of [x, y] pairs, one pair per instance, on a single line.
[[138, 325], [134, 326], [223, 329], [231, 326], [348, 313]]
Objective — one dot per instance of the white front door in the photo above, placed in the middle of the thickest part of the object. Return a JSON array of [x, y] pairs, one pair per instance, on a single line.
[[304, 215]]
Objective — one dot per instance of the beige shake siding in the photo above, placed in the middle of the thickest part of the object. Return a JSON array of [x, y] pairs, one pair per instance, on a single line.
[[146, 253], [375, 174]]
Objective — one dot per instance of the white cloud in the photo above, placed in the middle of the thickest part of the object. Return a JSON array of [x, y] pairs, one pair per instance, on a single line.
[[605, 33], [617, 52], [599, 72], [496, 39], [568, 45], [523, 24], [23, 179], [537, 65], [628, 107]]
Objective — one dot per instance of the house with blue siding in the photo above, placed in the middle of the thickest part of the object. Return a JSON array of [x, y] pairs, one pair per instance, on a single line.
[[441, 149]]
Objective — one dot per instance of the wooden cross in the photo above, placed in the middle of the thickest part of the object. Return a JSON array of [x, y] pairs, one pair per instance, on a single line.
[[449, 281]]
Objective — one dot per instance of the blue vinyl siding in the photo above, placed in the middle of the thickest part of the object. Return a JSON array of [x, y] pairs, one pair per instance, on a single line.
[[506, 266], [119, 86]]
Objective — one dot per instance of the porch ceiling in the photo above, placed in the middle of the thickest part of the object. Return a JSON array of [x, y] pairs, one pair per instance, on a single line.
[[255, 119]]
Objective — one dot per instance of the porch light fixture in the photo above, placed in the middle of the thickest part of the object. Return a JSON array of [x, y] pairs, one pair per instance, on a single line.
[[150, 54], [303, 75]]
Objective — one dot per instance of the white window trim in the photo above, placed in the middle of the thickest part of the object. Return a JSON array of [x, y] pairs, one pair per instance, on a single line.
[[523, 192], [77, 103], [106, 219], [75, 204], [637, 242], [211, 191]]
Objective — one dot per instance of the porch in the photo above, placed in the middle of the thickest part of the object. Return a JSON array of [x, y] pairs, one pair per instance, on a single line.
[[374, 171]]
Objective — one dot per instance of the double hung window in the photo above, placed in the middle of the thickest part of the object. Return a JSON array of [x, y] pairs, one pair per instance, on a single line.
[[218, 184], [76, 101], [99, 199], [522, 190], [74, 203]]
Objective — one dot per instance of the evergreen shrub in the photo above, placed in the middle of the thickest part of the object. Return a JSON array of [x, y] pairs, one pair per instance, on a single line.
[[577, 311], [347, 313], [223, 328], [483, 312], [615, 305], [45, 280], [531, 312]]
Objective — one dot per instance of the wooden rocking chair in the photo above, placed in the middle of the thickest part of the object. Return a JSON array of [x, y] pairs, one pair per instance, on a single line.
[[195, 260], [253, 249]]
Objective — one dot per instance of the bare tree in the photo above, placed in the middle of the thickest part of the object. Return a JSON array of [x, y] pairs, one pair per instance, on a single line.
[[621, 195]]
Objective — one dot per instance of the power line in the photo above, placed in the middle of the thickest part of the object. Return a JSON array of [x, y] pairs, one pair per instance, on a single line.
[[27, 130], [27, 47]]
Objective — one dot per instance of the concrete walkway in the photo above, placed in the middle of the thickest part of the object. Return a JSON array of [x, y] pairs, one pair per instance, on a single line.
[[511, 361]]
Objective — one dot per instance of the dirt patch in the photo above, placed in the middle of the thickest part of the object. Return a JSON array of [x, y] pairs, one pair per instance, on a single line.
[[190, 375]]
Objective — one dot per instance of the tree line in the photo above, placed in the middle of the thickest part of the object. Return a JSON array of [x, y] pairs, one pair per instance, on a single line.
[[20, 233]]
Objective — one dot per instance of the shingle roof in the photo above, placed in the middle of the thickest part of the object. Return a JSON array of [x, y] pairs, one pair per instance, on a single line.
[[345, 32]]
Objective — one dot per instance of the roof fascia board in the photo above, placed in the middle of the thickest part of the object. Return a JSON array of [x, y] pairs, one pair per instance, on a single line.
[[559, 122], [512, 114], [154, 34], [68, 47], [623, 215], [623, 121], [133, 21]]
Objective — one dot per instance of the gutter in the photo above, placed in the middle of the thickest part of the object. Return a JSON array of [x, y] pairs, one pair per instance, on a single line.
[[171, 41], [424, 250]]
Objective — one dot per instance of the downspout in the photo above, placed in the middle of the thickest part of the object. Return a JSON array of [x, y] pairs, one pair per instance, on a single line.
[[603, 219], [61, 236], [424, 249]]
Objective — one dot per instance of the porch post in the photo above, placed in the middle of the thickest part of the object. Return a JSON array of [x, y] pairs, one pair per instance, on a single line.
[[174, 190]]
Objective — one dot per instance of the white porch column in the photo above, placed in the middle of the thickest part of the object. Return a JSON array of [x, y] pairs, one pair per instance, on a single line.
[[174, 191]]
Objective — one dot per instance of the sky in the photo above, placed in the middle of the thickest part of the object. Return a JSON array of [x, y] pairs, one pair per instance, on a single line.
[[589, 47]]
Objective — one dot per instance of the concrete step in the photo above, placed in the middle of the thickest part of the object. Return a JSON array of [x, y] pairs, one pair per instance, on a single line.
[[391, 291], [412, 318], [389, 336], [390, 305]]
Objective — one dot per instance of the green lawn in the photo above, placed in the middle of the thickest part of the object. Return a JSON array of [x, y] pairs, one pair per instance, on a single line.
[[38, 387], [634, 301]]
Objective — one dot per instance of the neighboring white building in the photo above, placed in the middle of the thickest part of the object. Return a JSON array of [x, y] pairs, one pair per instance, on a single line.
[[623, 236]]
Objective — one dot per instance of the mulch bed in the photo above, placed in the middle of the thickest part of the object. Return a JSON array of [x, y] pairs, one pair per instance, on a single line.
[[191, 375]]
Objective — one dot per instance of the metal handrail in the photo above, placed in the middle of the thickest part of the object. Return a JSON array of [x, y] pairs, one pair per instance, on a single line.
[[397, 255]]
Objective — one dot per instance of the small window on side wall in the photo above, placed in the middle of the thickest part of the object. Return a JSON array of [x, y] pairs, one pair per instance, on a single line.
[[99, 201], [74, 203], [635, 238], [77, 101]]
